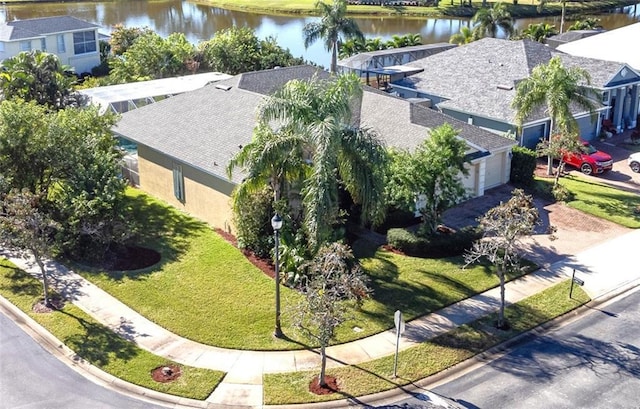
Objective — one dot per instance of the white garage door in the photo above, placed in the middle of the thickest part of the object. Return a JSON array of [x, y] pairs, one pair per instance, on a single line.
[[493, 171]]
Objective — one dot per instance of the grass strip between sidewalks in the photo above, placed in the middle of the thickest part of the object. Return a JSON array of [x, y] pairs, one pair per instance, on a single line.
[[100, 346], [430, 357]]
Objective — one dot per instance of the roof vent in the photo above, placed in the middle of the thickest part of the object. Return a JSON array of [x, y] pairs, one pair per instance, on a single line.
[[223, 87], [505, 87]]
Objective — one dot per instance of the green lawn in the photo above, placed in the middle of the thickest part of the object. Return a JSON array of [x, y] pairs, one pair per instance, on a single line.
[[205, 289], [99, 345], [603, 201], [427, 358]]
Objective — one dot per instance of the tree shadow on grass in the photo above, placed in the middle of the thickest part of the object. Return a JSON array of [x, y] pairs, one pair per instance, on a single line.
[[162, 228], [98, 344], [22, 283]]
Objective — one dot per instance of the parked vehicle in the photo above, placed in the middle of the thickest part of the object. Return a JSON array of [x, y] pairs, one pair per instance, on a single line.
[[589, 160], [634, 162]]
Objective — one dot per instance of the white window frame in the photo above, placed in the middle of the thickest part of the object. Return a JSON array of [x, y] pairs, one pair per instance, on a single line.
[[88, 41], [62, 48], [25, 45], [178, 182], [43, 44]]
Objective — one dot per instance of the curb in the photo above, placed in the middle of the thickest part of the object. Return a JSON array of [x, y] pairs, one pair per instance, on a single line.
[[58, 349], [392, 395]]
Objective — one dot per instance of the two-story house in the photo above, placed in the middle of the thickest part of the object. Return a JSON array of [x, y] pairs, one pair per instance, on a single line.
[[74, 41]]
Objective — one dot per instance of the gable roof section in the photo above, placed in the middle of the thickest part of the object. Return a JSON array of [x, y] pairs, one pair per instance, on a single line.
[[207, 127], [405, 124], [480, 78], [36, 27]]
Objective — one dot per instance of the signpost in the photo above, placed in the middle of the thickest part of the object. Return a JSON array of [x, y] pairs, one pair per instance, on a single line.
[[575, 280], [399, 323]]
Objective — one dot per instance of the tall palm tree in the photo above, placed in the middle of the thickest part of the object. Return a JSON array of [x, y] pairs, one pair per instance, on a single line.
[[465, 36], [489, 20], [557, 89], [318, 113], [332, 26], [538, 32]]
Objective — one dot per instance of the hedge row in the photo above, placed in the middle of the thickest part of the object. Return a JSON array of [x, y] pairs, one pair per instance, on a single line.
[[436, 246]]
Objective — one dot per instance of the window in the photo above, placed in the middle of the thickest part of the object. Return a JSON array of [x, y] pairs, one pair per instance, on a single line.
[[43, 44], [1, 47], [25, 45], [178, 182], [84, 42], [61, 46]]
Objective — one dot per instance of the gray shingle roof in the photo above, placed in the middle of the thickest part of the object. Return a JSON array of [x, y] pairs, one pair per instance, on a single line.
[[30, 28], [480, 77], [206, 127]]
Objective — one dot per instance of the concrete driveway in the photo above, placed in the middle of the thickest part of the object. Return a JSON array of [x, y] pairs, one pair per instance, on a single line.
[[621, 175]]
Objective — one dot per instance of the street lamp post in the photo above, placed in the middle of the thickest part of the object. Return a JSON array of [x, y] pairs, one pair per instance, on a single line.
[[276, 223]]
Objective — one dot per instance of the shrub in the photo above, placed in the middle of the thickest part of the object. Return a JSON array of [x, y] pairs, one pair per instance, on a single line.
[[523, 165], [397, 218], [561, 193], [252, 220], [434, 246]]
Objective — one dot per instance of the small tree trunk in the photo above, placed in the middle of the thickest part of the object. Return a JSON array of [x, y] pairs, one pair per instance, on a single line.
[[45, 285], [334, 58], [323, 366], [502, 298]]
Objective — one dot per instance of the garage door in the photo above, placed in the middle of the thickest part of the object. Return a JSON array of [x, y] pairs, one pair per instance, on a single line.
[[587, 128], [493, 171]]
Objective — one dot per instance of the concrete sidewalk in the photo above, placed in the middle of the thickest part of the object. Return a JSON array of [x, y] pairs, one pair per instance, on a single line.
[[603, 267]]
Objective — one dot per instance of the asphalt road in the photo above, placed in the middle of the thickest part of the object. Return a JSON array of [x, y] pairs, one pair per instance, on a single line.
[[593, 362], [30, 377]]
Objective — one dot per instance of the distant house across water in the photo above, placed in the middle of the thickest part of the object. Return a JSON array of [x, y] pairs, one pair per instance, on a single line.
[[74, 41]]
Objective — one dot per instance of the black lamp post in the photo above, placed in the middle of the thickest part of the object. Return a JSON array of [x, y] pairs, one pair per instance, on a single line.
[[276, 223]]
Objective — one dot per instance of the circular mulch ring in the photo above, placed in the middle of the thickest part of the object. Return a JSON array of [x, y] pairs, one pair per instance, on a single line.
[[330, 387], [55, 303], [166, 373]]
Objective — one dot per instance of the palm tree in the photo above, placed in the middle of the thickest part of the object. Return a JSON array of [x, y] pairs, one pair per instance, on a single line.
[[490, 20], [316, 115], [375, 44], [465, 36], [351, 47], [413, 39], [587, 24], [332, 25], [557, 89], [538, 32], [397, 41]]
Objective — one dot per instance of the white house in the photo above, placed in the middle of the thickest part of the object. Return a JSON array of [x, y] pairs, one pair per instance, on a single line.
[[73, 40]]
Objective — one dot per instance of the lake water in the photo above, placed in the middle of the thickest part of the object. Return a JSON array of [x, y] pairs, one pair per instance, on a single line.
[[200, 22]]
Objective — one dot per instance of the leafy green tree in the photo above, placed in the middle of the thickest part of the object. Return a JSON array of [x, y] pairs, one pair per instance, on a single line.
[[232, 51], [433, 171], [374, 44], [152, 57], [340, 156], [38, 76], [26, 228], [122, 38], [489, 20], [67, 159], [465, 36], [335, 283], [273, 55], [556, 89], [351, 47], [333, 25], [538, 32], [504, 226]]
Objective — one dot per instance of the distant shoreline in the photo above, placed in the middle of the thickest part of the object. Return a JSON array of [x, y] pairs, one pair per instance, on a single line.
[[523, 8]]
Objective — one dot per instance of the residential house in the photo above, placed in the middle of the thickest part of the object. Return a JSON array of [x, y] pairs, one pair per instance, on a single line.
[[74, 41], [185, 142], [476, 83]]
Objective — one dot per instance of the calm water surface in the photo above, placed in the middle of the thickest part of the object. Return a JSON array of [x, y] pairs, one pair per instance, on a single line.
[[200, 22]]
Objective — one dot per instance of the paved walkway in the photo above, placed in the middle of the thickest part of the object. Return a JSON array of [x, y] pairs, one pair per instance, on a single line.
[[604, 268]]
